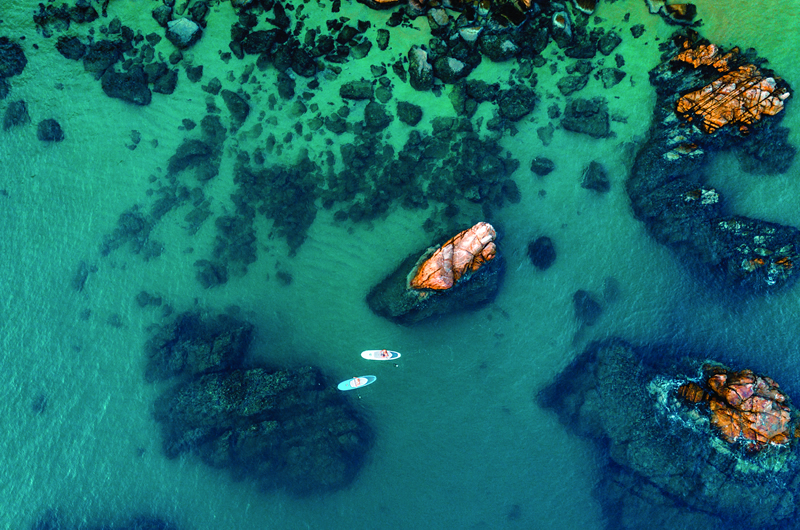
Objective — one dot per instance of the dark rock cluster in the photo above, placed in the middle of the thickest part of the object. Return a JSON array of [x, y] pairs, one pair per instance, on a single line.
[[124, 61], [282, 428], [361, 178], [666, 182]]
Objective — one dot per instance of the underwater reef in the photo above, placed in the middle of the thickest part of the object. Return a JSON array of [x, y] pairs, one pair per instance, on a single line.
[[280, 428]]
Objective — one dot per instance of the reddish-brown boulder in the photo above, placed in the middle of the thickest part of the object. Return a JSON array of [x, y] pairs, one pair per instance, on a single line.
[[465, 252], [739, 97], [744, 407]]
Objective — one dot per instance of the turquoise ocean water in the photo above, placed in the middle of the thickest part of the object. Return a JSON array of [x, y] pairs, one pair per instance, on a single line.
[[460, 441]]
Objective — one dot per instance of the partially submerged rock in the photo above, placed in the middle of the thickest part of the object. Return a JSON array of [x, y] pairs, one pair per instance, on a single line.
[[463, 272], [184, 32], [743, 408], [710, 100], [661, 443]]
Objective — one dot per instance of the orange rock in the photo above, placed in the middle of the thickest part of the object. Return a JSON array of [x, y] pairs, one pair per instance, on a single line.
[[738, 97], [706, 54], [749, 408], [692, 392], [463, 253]]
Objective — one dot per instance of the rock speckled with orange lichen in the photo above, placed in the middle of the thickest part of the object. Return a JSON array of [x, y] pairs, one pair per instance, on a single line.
[[739, 97], [708, 100], [463, 253], [664, 455], [463, 272], [706, 54], [744, 408]]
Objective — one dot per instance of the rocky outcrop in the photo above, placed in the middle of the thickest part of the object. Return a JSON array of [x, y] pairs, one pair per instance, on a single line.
[[288, 429], [743, 408], [464, 253], [665, 448], [465, 271], [708, 100]]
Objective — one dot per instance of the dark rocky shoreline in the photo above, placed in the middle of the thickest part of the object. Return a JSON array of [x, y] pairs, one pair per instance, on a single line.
[[666, 182]]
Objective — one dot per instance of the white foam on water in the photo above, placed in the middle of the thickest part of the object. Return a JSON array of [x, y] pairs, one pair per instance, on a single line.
[[460, 440]]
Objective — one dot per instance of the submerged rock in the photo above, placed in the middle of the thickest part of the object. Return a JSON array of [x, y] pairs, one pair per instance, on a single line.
[[463, 272], [128, 86], [237, 106], [516, 102], [53, 520], [542, 252], [587, 116], [595, 177], [16, 114], [49, 131], [12, 58], [409, 113], [288, 429], [542, 166], [587, 308], [194, 345]]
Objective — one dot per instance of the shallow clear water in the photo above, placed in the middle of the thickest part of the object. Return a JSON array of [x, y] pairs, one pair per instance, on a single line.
[[460, 441]]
